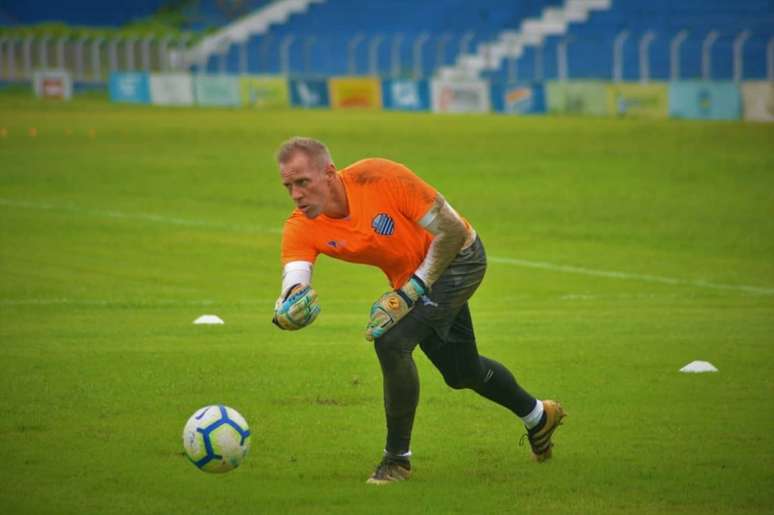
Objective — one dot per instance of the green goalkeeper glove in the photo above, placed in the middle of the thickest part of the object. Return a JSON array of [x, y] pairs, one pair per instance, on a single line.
[[297, 309], [392, 306]]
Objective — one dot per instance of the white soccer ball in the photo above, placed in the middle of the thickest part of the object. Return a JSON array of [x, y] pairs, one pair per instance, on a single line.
[[216, 438]]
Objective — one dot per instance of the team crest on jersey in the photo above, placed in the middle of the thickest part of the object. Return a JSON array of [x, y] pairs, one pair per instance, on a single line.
[[383, 224]]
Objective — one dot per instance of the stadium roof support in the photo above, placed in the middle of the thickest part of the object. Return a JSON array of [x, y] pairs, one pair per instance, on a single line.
[[60, 51], [78, 51], [397, 39], [706, 54], [27, 56], [561, 59], [2, 59], [770, 60], [352, 45], [644, 56], [419, 42], [43, 51], [309, 42], [739, 42], [674, 54], [96, 61], [373, 54], [618, 44], [145, 53], [285, 53]]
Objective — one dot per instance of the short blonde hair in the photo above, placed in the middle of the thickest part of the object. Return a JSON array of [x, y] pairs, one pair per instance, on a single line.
[[314, 149]]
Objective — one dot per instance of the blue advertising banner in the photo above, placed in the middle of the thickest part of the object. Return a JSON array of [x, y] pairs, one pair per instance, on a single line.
[[309, 93], [705, 100], [131, 87], [518, 98], [406, 95]]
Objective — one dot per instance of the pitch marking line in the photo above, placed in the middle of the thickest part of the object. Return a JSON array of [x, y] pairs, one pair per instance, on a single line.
[[627, 276], [148, 217], [107, 303]]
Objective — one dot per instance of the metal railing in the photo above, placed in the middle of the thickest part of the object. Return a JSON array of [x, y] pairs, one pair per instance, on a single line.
[[419, 55], [89, 59]]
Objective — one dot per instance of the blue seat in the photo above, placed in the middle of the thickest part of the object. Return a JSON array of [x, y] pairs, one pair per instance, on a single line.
[[323, 36]]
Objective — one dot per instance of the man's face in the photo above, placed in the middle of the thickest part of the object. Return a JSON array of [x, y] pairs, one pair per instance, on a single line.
[[307, 182]]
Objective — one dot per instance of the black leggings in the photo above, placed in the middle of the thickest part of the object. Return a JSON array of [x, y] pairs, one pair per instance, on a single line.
[[442, 326]]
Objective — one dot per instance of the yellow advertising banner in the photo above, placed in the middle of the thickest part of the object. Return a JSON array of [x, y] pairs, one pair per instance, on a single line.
[[360, 92], [638, 100]]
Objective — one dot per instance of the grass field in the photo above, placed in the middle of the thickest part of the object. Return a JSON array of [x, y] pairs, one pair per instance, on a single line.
[[619, 251]]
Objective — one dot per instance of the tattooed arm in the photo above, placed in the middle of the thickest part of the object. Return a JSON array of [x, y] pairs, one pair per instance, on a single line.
[[449, 236]]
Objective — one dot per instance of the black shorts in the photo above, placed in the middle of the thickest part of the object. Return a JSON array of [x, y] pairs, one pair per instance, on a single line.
[[442, 316]]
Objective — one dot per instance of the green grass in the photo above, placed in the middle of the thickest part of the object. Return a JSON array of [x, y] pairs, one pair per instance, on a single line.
[[110, 247]]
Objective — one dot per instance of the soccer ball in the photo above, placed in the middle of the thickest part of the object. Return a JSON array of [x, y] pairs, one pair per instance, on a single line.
[[216, 438]]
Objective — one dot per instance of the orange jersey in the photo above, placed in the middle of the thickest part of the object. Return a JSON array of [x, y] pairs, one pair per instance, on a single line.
[[386, 201]]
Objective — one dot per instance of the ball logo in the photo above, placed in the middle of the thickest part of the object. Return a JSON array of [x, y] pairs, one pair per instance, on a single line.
[[383, 224]]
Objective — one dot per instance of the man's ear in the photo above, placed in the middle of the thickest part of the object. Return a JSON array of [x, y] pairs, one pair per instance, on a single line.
[[330, 170]]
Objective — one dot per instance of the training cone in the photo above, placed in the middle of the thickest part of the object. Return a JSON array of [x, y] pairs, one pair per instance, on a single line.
[[699, 366], [208, 320]]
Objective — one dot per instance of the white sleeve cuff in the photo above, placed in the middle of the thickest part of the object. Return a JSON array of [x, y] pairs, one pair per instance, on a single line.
[[428, 217], [296, 272]]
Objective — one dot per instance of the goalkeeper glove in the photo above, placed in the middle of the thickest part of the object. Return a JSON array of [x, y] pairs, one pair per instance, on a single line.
[[297, 309], [392, 306]]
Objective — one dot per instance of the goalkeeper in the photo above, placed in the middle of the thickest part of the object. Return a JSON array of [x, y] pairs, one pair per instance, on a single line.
[[380, 213]]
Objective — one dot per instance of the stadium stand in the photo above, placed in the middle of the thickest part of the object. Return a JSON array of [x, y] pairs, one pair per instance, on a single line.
[[325, 43], [75, 12], [335, 37], [500, 40], [590, 44]]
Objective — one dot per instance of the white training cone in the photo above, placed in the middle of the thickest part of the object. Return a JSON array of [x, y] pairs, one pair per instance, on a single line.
[[699, 366], [208, 319]]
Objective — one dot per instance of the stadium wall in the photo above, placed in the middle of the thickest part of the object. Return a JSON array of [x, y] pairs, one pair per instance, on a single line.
[[714, 100]]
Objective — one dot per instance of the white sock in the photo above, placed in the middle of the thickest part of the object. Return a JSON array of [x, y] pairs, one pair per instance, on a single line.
[[534, 416], [406, 454]]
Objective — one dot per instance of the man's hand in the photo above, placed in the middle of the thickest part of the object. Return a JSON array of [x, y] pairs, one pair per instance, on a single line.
[[297, 309], [392, 306]]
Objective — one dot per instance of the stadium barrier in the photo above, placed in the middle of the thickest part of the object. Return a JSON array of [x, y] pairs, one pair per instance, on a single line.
[[518, 99], [130, 87], [705, 100], [309, 93], [362, 92], [638, 100], [758, 101], [56, 84], [264, 91], [406, 95], [171, 89], [217, 90], [577, 97], [712, 100], [460, 96]]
